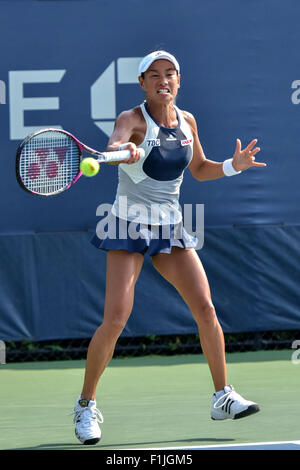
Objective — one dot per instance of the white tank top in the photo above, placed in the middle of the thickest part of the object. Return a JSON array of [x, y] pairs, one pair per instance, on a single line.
[[148, 190]]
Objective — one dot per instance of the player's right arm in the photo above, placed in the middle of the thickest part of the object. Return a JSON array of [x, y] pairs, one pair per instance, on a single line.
[[124, 129]]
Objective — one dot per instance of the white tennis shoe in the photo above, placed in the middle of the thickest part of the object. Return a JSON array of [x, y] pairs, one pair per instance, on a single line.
[[86, 419], [229, 404]]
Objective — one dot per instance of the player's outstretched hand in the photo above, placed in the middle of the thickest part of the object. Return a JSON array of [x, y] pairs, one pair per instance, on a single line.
[[244, 159]]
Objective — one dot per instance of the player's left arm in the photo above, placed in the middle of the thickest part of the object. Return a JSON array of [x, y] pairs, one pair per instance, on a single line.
[[204, 169]]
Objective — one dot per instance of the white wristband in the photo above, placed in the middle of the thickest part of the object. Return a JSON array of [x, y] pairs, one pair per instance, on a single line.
[[123, 145], [228, 168]]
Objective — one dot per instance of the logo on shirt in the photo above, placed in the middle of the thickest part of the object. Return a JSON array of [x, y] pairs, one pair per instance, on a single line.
[[171, 137], [186, 142], [153, 142]]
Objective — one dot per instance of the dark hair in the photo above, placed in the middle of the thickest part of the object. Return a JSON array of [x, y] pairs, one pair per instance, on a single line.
[[143, 74]]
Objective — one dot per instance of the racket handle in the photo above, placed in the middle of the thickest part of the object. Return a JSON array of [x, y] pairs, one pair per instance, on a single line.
[[117, 155]]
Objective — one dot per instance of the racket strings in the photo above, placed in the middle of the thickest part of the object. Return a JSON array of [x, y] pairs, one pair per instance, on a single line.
[[49, 162]]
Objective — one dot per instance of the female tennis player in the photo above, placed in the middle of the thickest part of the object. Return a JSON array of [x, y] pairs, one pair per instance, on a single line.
[[170, 139]]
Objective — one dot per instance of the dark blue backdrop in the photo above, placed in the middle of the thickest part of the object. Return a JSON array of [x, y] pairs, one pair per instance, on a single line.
[[240, 71]]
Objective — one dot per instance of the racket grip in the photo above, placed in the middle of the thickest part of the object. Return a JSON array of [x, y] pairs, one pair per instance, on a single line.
[[117, 156]]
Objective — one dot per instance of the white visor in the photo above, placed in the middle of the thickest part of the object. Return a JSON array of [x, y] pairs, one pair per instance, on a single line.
[[150, 58]]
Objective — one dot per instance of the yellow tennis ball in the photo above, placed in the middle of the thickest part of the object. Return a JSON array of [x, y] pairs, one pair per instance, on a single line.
[[89, 166]]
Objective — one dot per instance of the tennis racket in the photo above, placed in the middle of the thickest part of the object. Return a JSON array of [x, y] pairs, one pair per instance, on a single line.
[[48, 161]]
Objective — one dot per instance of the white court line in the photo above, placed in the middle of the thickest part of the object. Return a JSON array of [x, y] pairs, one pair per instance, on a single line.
[[246, 445]]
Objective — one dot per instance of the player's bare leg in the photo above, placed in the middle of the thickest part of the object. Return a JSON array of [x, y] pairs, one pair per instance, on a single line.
[[123, 269], [184, 270]]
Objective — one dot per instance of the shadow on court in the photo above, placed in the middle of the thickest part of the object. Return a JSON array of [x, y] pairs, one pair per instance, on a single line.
[[120, 446]]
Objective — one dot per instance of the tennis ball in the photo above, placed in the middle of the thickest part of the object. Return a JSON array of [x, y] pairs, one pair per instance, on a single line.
[[89, 166]]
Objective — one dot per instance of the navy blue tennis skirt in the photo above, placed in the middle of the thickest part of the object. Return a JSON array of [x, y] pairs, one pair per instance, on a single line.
[[138, 238]]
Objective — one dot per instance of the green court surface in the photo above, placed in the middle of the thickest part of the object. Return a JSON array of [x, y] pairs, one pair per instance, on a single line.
[[149, 402]]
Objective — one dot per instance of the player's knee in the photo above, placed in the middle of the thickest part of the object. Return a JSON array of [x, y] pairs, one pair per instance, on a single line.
[[116, 324], [205, 315]]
